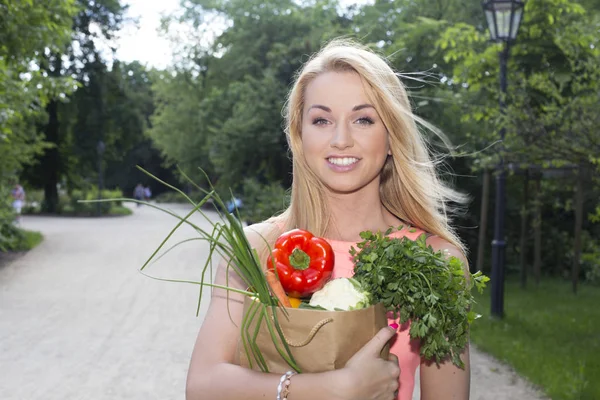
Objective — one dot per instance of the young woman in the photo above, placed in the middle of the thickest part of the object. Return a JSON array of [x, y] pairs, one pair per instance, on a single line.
[[360, 163]]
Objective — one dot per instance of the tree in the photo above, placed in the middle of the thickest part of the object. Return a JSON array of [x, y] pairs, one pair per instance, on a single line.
[[222, 111], [551, 114], [96, 21], [25, 90]]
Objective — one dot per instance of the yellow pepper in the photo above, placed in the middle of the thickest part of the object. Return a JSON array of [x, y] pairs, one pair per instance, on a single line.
[[295, 302]]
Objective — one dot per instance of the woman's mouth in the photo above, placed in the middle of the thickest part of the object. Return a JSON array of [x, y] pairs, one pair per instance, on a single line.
[[342, 164]]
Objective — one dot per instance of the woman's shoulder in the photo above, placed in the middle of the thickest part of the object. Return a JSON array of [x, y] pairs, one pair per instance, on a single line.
[[438, 243], [261, 233], [408, 231]]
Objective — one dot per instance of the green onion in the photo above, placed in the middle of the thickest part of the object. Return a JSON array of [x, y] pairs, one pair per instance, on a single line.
[[228, 240]]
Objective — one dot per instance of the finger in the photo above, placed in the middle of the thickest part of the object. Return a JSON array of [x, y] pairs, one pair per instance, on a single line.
[[375, 345], [396, 365]]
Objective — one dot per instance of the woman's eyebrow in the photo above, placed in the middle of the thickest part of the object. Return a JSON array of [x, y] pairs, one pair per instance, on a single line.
[[324, 108], [327, 109], [362, 106]]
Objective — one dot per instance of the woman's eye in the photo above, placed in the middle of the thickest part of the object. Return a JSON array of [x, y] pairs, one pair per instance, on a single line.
[[365, 121], [319, 121]]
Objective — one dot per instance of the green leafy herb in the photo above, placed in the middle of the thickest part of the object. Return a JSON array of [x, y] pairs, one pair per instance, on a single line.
[[424, 286]]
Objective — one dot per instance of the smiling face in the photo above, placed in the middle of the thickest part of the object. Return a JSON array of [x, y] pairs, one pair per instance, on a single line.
[[344, 140]]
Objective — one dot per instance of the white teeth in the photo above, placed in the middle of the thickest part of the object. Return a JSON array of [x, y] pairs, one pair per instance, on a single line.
[[342, 161]]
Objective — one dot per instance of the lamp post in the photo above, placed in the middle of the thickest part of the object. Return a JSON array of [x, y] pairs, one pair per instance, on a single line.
[[503, 18], [100, 149]]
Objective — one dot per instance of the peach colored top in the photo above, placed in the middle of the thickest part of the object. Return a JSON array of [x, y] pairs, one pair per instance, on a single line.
[[403, 347]]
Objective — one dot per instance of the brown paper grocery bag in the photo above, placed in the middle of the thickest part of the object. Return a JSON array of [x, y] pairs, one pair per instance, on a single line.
[[319, 340]]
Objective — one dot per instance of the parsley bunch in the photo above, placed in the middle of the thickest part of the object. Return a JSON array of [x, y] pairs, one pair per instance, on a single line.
[[424, 286]]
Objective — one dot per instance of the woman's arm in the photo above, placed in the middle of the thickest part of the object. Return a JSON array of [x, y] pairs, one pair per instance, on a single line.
[[446, 381], [214, 375]]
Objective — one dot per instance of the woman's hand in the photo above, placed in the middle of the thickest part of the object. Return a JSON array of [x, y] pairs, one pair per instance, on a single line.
[[367, 376]]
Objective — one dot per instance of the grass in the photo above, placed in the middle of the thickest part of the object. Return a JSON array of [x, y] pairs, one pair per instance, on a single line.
[[548, 334], [114, 210], [28, 241], [120, 210]]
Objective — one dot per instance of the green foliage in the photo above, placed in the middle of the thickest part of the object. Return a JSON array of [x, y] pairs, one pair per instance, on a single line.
[[70, 203], [219, 106], [221, 110], [25, 90], [174, 197], [595, 216], [554, 69], [10, 237], [261, 201], [29, 240], [256, 114], [549, 335], [590, 259], [424, 286], [178, 124], [81, 208], [550, 119], [33, 201], [120, 211], [13, 238], [95, 22]]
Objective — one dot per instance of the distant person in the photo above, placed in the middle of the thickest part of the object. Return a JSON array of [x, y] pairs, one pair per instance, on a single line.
[[147, 193], [18, 194], [234, 204], [139, 193]]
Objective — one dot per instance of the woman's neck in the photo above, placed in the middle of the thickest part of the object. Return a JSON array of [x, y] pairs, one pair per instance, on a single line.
[[353, 213]]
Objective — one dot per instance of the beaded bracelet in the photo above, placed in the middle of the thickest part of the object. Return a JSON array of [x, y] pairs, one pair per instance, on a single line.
[[283, 389]]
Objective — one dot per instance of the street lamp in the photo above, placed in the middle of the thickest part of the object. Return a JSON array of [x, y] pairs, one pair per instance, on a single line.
[[100, 149], [503, 18]]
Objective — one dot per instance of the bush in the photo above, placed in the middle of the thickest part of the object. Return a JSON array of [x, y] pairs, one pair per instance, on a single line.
[[174, 197], [261, 201], [78, 207], [10, 237], [590, 259], [33, 201], [120, 210], [9, 233], [28, 240], [13, 238]]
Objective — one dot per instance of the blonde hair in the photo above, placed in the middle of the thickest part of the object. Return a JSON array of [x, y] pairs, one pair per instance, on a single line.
[[410, 187]]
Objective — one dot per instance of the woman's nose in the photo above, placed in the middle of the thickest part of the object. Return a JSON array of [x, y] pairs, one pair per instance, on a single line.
[[342, 137]]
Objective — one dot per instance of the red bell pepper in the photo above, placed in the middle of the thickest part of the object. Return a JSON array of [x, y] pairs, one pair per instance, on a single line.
[[302, 261]]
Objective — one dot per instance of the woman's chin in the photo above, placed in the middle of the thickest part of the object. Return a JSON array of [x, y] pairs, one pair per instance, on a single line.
[[339, 188]]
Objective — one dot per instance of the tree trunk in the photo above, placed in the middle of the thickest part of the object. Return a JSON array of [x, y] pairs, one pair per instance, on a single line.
[[537, 232], [50, 160], [483, 219], [523, 245], [578, 224]]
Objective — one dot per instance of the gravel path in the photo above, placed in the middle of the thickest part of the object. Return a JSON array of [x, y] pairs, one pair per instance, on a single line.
[[78, 321]]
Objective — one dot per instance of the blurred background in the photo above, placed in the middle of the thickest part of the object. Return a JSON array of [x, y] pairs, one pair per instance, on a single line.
[[91, 89]]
